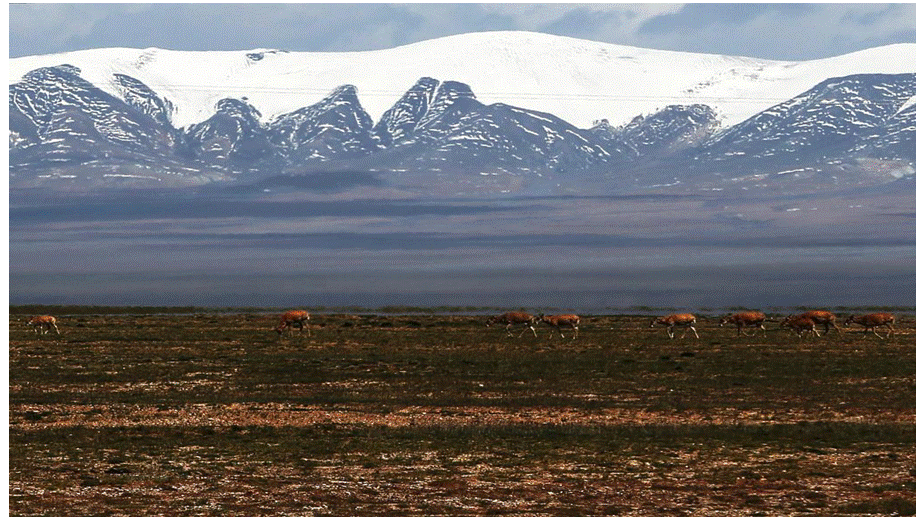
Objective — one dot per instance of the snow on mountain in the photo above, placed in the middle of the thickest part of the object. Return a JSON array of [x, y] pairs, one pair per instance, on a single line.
[[336, 127], [101, 121], [233, 133], [399, 122], [116, 116], [666, 132], [579, 81], [460, 133], [819, 121]]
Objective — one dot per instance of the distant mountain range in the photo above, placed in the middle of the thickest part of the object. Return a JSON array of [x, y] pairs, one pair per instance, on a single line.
[[127, 118]]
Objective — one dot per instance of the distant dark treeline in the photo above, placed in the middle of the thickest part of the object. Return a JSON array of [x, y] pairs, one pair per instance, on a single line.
[[17, 310], [157, 205]]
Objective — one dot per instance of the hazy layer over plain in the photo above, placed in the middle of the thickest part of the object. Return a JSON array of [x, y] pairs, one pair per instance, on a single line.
[[586, 254]]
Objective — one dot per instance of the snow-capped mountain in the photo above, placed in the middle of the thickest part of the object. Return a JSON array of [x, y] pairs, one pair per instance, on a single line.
[[501, 111], [59, 121], [233, 134], [334, 128], [456, 131], [839, 120], [671, 130], [397, 125], [821, 120], [56, 106], [577, 80]]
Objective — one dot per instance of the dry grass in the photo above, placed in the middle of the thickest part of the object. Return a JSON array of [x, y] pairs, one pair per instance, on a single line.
[[211, 413]]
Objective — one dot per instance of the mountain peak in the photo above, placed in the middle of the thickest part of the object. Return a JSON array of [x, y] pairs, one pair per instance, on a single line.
[[398, 123], [109, 110], [577, 80], [237, 107], [345, 92]]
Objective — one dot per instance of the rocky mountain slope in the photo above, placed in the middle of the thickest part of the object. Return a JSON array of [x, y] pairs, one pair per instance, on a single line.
[[75, 128]]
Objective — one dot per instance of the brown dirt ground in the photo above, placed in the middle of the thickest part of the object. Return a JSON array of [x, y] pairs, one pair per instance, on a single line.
[[83, 447]]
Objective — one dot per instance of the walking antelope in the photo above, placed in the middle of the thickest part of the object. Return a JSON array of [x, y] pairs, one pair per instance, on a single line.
[[677, 320], [292, 319], [514, 318], [871, 321], [799, 324], [562, 320], [825, 318], [746, 319], [44, 324]]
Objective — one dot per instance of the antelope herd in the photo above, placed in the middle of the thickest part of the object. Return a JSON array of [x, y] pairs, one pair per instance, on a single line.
[[800, 324]]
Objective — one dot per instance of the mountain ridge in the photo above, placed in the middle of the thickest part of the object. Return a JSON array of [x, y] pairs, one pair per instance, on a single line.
[[841, 129], [529, 70]]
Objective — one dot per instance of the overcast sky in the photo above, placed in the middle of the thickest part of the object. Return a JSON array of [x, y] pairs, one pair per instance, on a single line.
[[772, 31]]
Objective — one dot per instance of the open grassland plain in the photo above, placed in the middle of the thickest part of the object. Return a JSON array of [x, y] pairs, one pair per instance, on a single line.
[[390, 414]]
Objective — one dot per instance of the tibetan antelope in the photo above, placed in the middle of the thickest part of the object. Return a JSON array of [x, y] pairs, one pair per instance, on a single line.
[[825, 318], [292, 319], [561, 320], [800, 324], [677, 320], [44, 324], [514, 318], [871, 321], [746, 319]]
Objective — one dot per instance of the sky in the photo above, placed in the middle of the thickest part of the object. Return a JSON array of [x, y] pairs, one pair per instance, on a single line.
[[772, 31]]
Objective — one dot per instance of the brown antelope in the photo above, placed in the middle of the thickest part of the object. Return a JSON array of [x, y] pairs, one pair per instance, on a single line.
[[514, 318], [291, 319], [44, 324], [825, 318], [871, 321], [746, 319], [800, 324], [677, 320], [562, 320]]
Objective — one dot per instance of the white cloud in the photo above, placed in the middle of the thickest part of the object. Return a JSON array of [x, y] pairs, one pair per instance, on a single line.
[[777, 31], [780, 31]]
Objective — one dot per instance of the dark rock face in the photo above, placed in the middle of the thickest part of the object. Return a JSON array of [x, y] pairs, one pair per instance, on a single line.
[[836, 119], [62, 126]]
